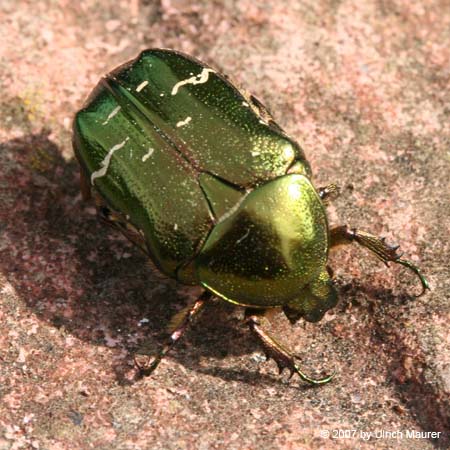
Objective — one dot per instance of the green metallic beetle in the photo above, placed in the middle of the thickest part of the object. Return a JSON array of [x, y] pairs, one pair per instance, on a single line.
[[199, 176]]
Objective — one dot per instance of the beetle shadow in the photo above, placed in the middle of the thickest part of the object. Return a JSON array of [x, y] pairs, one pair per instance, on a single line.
[[77, 274], [411, 385], [80, 276]]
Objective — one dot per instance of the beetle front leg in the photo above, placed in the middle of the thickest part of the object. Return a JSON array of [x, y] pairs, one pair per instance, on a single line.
[[181, 323], [329, 192], [342, 235], [273, 349]]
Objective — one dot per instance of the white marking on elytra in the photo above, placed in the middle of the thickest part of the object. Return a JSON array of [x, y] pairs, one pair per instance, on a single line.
[[202, 77], [112, 114], [243, 237], [107, 160], [148, 154], [141, 86], [181, 123], [233, 209]]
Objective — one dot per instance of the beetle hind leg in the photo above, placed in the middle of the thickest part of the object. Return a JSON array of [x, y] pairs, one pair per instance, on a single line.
[[274, 350], [342, 235], [179, 326]]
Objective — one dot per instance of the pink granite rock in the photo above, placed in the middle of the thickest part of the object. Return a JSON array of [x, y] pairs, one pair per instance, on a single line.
[[365, 87]]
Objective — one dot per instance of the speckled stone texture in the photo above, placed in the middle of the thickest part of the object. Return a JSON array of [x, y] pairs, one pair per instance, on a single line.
[[365, 87]]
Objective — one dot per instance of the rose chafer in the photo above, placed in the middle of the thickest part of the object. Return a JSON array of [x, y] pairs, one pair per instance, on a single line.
[[198, 175]]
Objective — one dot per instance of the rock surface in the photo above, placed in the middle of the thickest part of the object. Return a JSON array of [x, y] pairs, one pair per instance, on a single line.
[[365, 87]]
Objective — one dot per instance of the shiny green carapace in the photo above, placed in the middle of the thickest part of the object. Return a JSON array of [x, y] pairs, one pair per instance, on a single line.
[[197, 174]]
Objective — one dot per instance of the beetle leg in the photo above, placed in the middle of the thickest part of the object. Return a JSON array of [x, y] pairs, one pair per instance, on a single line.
[[119, 222], [273, 349], [329, 192], [85, 186], [342, 235], [183, 323]]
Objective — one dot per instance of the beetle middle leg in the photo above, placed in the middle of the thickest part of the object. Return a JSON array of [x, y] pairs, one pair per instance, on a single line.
[[273, 349], [342, 235], [182, 322], [85, 186]]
